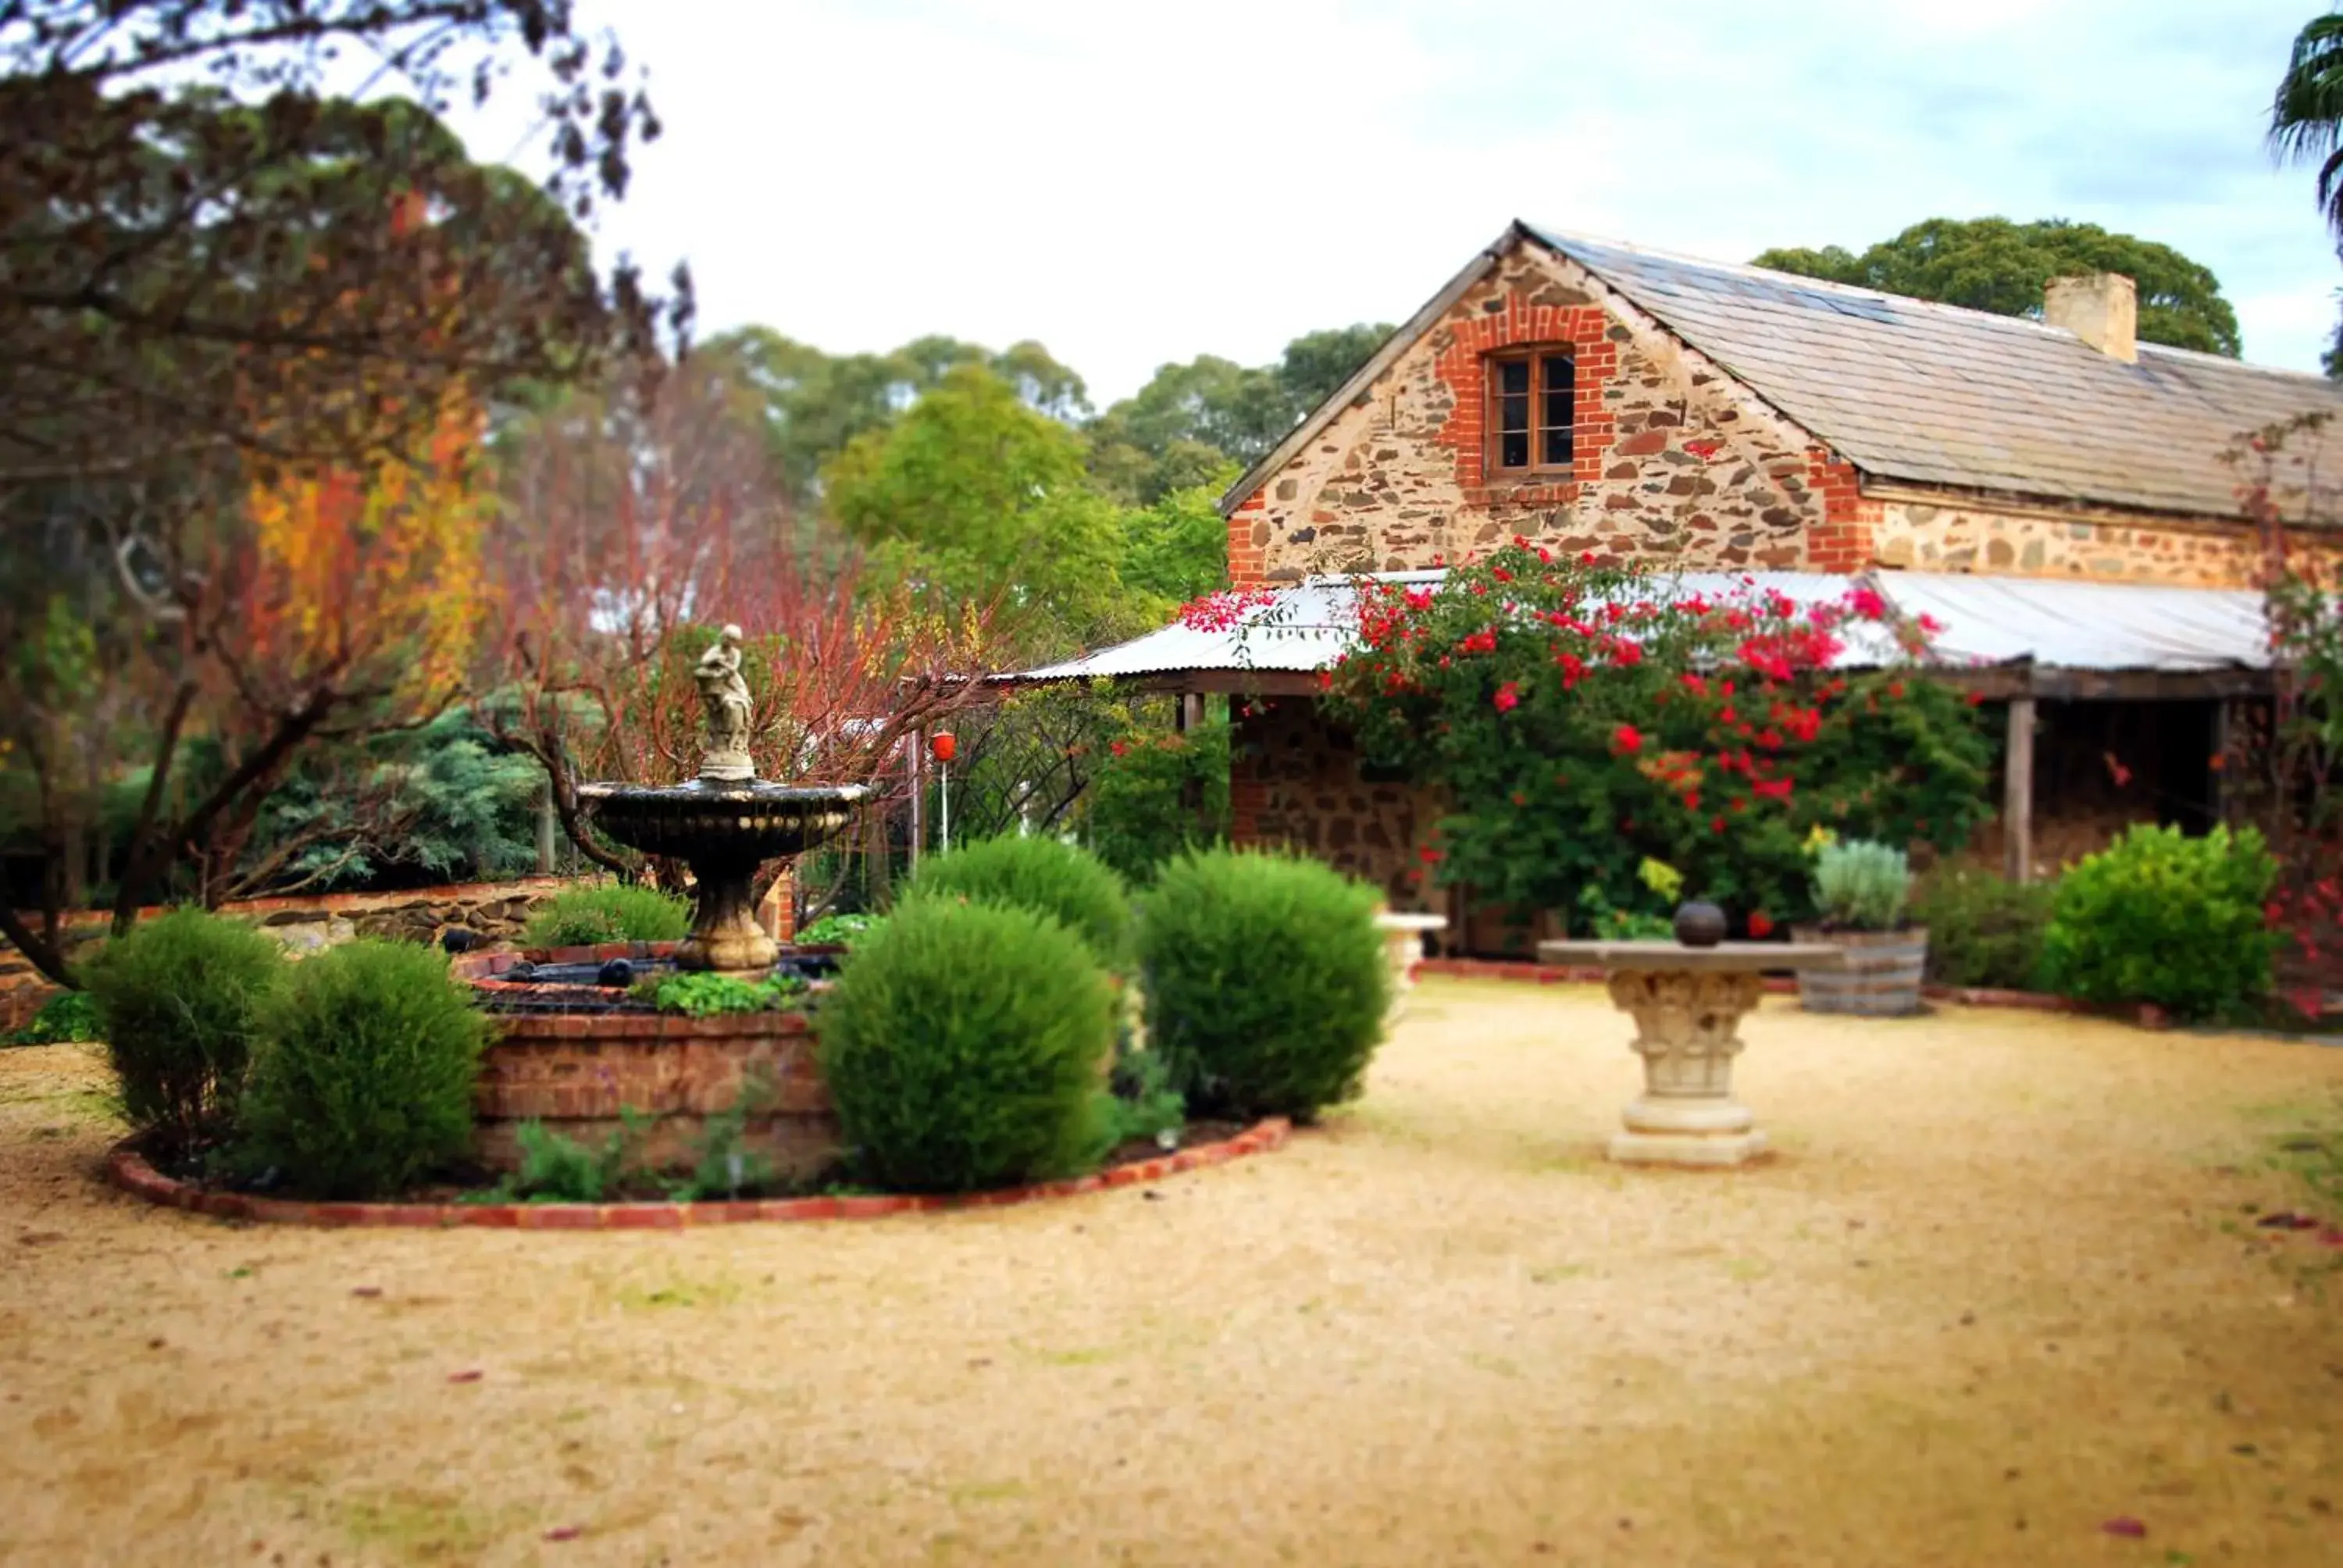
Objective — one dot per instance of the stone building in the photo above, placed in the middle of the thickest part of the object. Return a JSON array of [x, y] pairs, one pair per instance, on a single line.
[[1705, 417]]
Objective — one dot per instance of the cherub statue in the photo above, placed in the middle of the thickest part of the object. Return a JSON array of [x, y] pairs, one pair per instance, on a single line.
[[726, 696]]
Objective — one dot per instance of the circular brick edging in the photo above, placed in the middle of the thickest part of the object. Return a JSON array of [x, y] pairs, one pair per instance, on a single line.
[[129, 1170]]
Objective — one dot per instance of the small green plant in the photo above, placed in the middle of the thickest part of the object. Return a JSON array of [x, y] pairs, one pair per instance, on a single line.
[[724, 1165], [1862, 886], [362, 1073], [1045, 876], [963, 1047], [2163, 917], [607, 912], [1267, 982], [705, 995], [179, 1000], [1984, 929], [1616, 925], [557, 1169], [1141, 1101], [838, 930], [66, 1016]]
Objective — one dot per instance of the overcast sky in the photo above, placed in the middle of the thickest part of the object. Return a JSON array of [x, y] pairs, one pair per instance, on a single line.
[[1132, 183]]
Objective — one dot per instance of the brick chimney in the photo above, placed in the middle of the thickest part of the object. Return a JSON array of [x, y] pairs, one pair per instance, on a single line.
[[2102, 309]]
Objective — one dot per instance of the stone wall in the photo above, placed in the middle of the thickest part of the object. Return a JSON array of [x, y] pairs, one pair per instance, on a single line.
[[492, 912], [1672, 460], [1295, 780], [2099, 546]]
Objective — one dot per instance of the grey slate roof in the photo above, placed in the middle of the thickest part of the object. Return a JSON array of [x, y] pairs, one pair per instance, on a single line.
[[1936, 395]]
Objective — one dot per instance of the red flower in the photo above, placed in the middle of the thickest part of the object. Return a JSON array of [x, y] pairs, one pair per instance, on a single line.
[[1761, 925], [1773, 789], [1627, 738], [1867, 603], [1430, 856], [1717, 824], [1508, 697]]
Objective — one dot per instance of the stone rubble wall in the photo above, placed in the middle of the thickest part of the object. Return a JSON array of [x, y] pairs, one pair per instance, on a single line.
[[1294, 780], [494, 912], [1672, 460]]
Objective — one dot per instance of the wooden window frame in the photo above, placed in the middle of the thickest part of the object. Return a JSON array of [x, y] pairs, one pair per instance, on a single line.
[[1536, 357]]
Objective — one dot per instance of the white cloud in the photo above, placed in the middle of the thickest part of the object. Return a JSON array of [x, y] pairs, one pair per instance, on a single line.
[[1132, 184]]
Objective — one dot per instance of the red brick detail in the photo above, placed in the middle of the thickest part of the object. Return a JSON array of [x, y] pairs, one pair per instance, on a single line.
[[1462, 368], [128, 1169], [1842, 541], [1248, 565]]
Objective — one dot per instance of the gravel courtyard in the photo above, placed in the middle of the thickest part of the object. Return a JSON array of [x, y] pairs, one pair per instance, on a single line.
[[1996, 1289]]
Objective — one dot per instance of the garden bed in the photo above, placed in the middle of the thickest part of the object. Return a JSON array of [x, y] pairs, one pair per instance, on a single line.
[[1134, 1163]]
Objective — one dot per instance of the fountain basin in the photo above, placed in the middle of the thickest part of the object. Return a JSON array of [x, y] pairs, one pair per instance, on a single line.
[[724, 830]]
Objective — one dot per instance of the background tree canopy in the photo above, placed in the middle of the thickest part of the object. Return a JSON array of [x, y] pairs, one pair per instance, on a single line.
[[1993, 263]]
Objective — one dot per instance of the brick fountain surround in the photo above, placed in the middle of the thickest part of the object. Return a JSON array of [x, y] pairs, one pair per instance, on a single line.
[[572, 1069]]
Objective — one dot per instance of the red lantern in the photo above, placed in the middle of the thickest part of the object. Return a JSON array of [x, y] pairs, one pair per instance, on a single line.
[[943, 744]]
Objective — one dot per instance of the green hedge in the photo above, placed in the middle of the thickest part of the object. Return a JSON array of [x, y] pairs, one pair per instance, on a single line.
[[964, 1048], [1266, 981], [1045, 876], [362, 1080], [607, 912], [2160, 917], [179, 1000], [1984, 929]]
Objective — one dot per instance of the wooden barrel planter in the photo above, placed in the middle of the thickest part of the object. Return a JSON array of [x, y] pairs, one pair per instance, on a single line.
[[1881, 978]]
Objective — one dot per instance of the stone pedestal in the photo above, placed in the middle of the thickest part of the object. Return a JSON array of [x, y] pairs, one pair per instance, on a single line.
[[1688, 1004], [1404, 937]]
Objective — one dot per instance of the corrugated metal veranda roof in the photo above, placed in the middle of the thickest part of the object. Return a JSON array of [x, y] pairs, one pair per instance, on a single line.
[[2052, 624]]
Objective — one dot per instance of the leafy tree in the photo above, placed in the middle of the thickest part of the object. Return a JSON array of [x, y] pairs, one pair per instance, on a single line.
[[979, 498], [812, 404], [1177, 548], [1992, 264], [1188, 415], [2306, 124], [205, 253]]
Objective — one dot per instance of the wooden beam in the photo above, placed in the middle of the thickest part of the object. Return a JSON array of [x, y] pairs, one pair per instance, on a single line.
[[2017, 793]]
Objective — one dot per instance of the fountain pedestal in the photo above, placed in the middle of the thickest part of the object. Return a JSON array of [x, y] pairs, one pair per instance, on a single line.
[[1688, 1004]]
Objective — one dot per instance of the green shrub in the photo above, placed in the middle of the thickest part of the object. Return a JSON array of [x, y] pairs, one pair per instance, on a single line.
[[1045, 876], [557, 1169], [1862, 886], [2159, 917], [963, 1047], [706, 995], [362, 1079], [1138, 814], [607, 912], [838, 930], [1984, 929], [179, 1000], [1266, 980], [66, 1016]]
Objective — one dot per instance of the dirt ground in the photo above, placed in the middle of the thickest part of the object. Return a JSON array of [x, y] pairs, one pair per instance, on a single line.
[[1996, 1289]]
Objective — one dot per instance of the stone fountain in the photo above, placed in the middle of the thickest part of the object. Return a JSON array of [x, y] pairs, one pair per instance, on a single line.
[[581, 1056], [724, 823]]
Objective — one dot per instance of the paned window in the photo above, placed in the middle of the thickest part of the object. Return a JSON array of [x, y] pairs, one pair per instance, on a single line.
[[1531, 397]]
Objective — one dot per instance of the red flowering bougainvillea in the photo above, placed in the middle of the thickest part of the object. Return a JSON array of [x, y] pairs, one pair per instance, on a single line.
[[1585, 717]]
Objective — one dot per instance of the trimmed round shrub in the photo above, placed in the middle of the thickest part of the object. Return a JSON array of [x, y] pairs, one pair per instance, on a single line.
[[1043, 875], [179, 1000], [964, 1048], [1266, 980], [607, 912], [2160, 917], [362, 1076]]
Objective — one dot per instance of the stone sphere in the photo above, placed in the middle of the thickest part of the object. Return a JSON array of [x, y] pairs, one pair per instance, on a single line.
[[1700, 925]]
